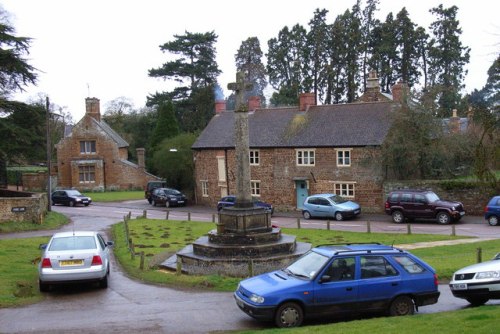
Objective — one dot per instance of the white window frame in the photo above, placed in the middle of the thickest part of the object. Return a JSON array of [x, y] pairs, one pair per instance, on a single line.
[[221, 167], [254, 156], [341, 159], [255, 188], [86, 174], [204, 188], [88, 146], [305, 157], [345, 189]]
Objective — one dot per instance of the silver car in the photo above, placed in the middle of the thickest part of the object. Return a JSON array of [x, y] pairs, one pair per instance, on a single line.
[[74, 257], [478, 283]]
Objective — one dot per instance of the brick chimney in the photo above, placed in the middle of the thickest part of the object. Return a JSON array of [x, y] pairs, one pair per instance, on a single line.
[[400, 92], [253, 103], [220, 106], [93, 108], [306, 100], [455, 122], [141, 157]]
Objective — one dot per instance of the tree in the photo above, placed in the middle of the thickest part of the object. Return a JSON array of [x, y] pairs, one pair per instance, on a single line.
[[15, 74], [286, 66], [174, 162], [196, 71], [447, 58], [368, 23], [249, 61], [317, 43], [166, 126]]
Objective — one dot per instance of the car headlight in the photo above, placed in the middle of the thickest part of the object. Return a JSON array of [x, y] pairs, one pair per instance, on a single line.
[[488, 274], [256, 298], [78, 199]]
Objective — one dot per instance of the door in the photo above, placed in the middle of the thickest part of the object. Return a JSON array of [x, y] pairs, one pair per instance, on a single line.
[[301, 192]]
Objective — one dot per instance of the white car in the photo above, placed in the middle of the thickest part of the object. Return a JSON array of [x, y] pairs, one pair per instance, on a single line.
[[74, 257], [478, 283]]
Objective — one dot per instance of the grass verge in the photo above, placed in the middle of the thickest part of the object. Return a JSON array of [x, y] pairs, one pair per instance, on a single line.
[[116, 196], [53, 220]]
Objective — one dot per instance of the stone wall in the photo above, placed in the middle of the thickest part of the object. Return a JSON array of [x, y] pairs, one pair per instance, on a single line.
[[473, 196], [20, 206]]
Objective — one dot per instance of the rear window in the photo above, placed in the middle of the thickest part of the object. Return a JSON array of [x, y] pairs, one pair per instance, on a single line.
[[409, 265], [73, 243]]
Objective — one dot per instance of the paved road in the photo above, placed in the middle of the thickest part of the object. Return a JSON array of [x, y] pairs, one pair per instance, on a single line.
[[128, 306]]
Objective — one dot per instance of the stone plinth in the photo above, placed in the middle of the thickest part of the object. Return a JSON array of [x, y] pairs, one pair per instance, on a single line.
[[244, 220]]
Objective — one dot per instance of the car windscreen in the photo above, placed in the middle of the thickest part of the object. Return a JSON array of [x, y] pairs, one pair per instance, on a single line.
[[308, 265], [432, 197], [337, 199], [72, 243], [73, 193]]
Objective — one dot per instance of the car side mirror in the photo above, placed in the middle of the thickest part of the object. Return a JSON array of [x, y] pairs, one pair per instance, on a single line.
[[497, 257], [325, 278], [110, 243], [42, 246]]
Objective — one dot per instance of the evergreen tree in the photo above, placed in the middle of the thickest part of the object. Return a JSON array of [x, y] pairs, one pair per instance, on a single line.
[[196, 71], [352, 23], [249, 61], [317, 43], [368, 24], [166, 126], [447, 58], [407, 64], [285, 64]]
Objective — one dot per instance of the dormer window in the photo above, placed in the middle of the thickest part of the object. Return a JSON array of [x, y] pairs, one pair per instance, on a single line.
[[87, 147]]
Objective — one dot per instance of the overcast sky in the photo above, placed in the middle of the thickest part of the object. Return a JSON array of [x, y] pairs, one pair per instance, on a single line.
[[104, 48]]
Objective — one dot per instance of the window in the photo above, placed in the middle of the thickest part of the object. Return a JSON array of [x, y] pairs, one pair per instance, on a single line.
[[254, 157], [344, 189], [343, 158], [87, 147], [204, 188], [342, 269], [409, 264], [305, 157], [86, 174], [221, 168], [255, 187], [376, 266]]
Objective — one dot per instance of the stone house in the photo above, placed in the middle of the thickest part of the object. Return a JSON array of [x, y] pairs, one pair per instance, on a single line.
[[92, 156], [299, 151]]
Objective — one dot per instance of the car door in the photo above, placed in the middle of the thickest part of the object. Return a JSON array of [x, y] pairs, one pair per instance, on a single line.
[[322, 208], [336, 288], [379, 282]]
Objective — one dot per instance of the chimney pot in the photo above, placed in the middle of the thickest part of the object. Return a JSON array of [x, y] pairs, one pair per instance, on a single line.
[[141, 157], [306, 100], [93, 108], [220, 106], [253, 103]]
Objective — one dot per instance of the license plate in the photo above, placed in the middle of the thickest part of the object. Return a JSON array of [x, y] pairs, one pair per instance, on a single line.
[[462, 213], [180, 202], [85, 201], [69, 263], [461, 286]]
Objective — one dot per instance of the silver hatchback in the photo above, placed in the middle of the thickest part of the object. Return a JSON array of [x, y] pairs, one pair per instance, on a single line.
[[74, 257]]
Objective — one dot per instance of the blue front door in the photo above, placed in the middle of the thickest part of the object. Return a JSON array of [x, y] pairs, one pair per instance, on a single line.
[[301, 191]]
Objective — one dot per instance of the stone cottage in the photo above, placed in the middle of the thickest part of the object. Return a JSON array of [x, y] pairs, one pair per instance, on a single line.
[[92, 156], [299, 151]]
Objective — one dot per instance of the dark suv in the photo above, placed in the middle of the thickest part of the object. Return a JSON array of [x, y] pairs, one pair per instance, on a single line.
[[152, 185], [422, 204]]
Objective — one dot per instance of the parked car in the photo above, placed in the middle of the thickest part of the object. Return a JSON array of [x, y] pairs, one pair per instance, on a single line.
[[74, 257], [330, 205], [230, 200], [168, 197], [340, 279], [492, 211], [422, 204], [478, 283], [152, 185], [70, 197]]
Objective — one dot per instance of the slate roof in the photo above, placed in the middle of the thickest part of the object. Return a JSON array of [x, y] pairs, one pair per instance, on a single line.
[[68, 129], [338, 125]]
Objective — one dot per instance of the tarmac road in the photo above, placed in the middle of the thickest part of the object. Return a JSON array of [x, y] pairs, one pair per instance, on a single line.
[[129, 306]]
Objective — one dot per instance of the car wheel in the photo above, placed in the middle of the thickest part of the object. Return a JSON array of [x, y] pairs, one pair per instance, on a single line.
[[306, 214], [150, 201], [289, 315], [339, 216], [153, 203], [43, 286], [443, 218], [402, 305], [493, 220], [71, 203], [477, 301], [103, 284], [167, 204], [86, 204], [398, 217]]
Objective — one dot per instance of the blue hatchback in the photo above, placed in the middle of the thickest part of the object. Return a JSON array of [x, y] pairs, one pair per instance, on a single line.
[[330, 205], [230, 200], [340, 279], [492, 211]]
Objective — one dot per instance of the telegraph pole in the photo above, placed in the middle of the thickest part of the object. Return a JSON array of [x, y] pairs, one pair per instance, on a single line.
[[49, 158]]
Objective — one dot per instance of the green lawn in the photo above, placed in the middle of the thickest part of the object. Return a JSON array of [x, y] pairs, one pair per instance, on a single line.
[[52, 220], [116, 196]]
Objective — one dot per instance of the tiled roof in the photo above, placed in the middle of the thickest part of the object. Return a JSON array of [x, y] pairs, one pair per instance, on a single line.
[[338, 125], [111, 133]]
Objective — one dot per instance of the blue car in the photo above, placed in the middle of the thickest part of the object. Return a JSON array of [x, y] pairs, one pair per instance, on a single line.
[[330, 205], [492, 211], [340, 279], [228, 201]]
